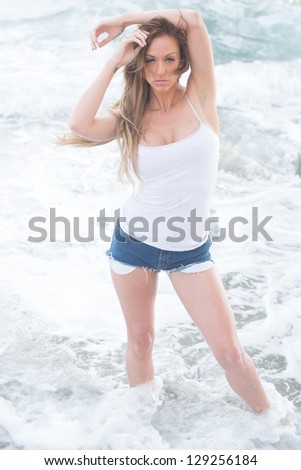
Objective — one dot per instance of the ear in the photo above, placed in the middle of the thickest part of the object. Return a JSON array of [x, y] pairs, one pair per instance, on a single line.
[[182, 62]]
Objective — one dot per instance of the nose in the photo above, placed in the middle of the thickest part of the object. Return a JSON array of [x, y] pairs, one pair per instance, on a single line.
[[160, 67]]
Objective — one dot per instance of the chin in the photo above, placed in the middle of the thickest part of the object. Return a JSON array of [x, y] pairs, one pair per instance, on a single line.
[[163, 88]]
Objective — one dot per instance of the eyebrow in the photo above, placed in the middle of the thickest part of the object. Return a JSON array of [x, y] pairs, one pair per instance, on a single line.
[[165, 56]]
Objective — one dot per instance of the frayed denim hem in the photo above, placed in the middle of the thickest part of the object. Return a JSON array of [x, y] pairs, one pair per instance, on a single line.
[[119, 267], [194, 268]]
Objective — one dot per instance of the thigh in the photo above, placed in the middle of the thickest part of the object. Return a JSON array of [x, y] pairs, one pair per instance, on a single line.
[[136, 292], [204, 297]]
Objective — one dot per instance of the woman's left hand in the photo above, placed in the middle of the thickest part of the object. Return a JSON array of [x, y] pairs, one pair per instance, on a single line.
[[113, 26]]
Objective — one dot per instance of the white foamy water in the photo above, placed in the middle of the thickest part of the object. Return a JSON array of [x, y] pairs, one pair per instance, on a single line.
[[63, 382]]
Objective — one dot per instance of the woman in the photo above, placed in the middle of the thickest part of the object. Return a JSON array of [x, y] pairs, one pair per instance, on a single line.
[[169, 141]]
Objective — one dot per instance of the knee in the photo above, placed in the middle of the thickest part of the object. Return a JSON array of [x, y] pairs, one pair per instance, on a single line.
[[231, 357], [141, 343]]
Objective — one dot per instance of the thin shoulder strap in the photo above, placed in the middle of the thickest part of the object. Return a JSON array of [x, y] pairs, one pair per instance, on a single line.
[[190, 104]]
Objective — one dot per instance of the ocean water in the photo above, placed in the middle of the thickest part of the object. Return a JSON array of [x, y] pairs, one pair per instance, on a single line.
[[62, 382]]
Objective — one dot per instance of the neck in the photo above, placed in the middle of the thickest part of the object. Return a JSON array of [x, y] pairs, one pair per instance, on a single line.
[[165, 101]]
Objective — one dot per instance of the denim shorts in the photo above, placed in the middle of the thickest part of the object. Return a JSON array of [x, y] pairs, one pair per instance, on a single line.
[[127, 253]]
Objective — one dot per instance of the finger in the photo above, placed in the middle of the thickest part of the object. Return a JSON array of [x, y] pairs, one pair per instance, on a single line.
[[140, 38], [93, 47], [146, 33], [93, 44], [139, 31], [128, 41], [141, 42], [104, 41], [138, 41], [94, 35]]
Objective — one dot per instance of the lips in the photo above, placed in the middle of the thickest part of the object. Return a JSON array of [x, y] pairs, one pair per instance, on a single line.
[[161, 81]]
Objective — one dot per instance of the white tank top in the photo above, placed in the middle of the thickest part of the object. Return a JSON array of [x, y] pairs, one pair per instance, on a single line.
[[179, 181]]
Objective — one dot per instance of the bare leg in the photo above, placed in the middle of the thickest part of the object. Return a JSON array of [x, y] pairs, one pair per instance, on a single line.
[[204, 298], [136, 296]]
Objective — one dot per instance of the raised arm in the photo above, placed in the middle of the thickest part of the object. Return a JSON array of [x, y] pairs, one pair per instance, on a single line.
[[201, 80], [84, 121]]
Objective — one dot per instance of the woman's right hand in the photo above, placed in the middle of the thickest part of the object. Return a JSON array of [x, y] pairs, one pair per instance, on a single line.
[[129, 47]]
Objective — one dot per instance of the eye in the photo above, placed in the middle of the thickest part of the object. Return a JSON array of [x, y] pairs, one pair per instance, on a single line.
[[148, 61], [170, 59]]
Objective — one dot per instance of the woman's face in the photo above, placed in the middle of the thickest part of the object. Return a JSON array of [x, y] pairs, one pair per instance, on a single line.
[[162, 60]]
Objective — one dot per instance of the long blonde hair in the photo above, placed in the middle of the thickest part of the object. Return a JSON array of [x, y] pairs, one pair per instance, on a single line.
[[130, 108]]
